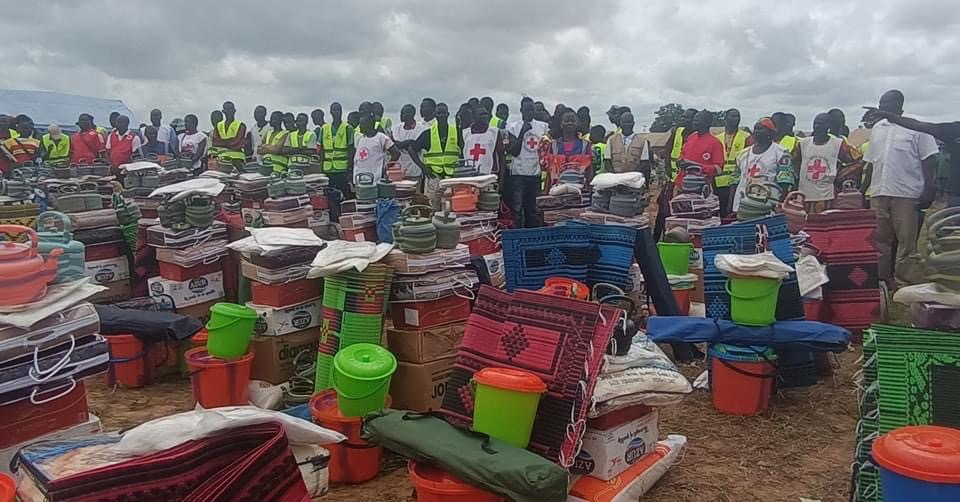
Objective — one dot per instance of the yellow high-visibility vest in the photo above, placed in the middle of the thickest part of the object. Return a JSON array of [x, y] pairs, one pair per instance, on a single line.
[[230, 132], [730, 157], [335, 148], [298, 141], [675, 152], [442, 157], [788, 143], [56, 151], [278, 161]]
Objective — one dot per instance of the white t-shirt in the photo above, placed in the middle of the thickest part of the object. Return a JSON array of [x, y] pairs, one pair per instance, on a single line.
[[371, 155], [256, 137], [756, 165], [189, 143], [480, 148], [527, 163], [410, 168], [896, 154]]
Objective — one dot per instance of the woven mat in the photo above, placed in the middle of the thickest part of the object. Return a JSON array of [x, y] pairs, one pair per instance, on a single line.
[[560, 340], [741, 238], [585, 252]]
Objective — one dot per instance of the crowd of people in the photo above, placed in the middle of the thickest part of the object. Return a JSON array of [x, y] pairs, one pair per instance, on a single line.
[[895, 169]]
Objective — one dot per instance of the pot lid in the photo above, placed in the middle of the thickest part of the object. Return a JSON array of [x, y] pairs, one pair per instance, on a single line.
[[365, 361], [927, 453], [10, 251], [510, 379]]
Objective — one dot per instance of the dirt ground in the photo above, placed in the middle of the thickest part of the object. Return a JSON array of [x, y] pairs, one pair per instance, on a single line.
[[801, 447]]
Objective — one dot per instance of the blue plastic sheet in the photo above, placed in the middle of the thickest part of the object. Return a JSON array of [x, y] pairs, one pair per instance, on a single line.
[[809, 335]]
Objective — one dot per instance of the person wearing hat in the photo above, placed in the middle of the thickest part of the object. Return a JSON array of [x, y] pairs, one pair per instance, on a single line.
[[55, 146], [88, 144], [765, 162]]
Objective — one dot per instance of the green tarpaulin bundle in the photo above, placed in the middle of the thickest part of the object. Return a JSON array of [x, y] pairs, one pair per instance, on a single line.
[[470, 456]]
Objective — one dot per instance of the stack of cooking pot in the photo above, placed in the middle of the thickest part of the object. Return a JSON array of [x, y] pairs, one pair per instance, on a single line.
[[415, 232]]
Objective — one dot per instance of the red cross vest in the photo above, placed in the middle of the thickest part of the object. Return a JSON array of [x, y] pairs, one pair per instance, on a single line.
[[818, 168], [479, 147], [121, 148]]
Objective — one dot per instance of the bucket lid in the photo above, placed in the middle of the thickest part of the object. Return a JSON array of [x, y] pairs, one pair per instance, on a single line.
[[742, 353], [925, 452], [510, 379], [365, 361], [234, 310], [8, 487]]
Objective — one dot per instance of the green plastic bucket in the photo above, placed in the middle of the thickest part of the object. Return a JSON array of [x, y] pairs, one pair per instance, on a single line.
[[506, 404], [361, 377], [753, 300], [675, 257], [229, 330]]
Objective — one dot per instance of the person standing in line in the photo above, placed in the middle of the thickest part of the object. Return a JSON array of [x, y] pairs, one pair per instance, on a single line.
[[86, 145], [503, 113], [25, 147], [569, 150], [428, 112], [734, 140], [627, 151], [903, 162], [372, 149], [318, 120], [122, 143], [524, 176], [482, 144], [404, 135], [55, 146], [947, 132], [785, 137], [153, 145], [816, 161], [583, 121], [674, 150], [381, 121], [302, 140], [761, 163], [193, 142], [598, 137], [258, 132], [440, 144], [230, 137], [273, 143], [838, 123], [165, 133], [337, 150], [353, 120], [702, 148]]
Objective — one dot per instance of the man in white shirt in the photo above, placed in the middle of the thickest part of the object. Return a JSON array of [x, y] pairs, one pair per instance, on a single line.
[[902, 184], [404, 133], [524, 179], [372, 148], [482, 145]]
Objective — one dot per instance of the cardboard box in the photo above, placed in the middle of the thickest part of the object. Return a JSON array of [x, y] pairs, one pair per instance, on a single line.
[[188, 293], [426, 345], [109, 270], [420, 387], [90, 427], [276, 321], [201, 311], [116, 292], [273, 355], [607, 453]]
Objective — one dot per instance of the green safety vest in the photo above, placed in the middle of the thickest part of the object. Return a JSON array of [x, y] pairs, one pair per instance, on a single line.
[[56, 151], [601, 151], [496, 122], [335, 148], [789, 143], [297, 141], [278, 161], [730, 157], [441, 158], [225, 132], [675, 152]]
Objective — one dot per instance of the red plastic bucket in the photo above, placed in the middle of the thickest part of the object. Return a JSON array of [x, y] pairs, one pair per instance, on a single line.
[[131, 363], [740, 387], [683, 299], [354, 460], [8, 488], [813, 310], [434, 485], [219, 382]]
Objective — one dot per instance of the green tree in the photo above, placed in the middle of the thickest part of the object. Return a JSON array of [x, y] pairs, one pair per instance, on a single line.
[[667, 116]]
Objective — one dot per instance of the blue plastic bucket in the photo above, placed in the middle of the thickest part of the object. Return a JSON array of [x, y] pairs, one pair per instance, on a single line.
[[919, 464]]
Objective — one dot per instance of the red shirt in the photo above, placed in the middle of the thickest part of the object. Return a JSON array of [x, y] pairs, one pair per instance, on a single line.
[[85, 146], [705, 150], [122, 147]]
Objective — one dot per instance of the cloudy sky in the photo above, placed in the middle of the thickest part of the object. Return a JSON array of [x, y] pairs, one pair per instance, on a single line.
[[188, 56]]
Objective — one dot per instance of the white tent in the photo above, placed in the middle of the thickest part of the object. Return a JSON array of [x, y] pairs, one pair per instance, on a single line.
[[46, 108]]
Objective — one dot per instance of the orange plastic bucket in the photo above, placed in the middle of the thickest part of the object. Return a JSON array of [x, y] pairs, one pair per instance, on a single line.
[[683, 299], [131, 363], [435, 485], [8, 488], [219, 382], [740, 386], [354, 460]]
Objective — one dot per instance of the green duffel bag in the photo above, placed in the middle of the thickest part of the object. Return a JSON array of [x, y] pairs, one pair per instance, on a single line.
[[475, 458]]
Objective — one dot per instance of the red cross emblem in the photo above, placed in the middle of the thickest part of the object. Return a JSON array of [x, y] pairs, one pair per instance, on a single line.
[[364, 154], [477, 151], [532, 143], [706, 155], [816, 169], [753, 171]]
